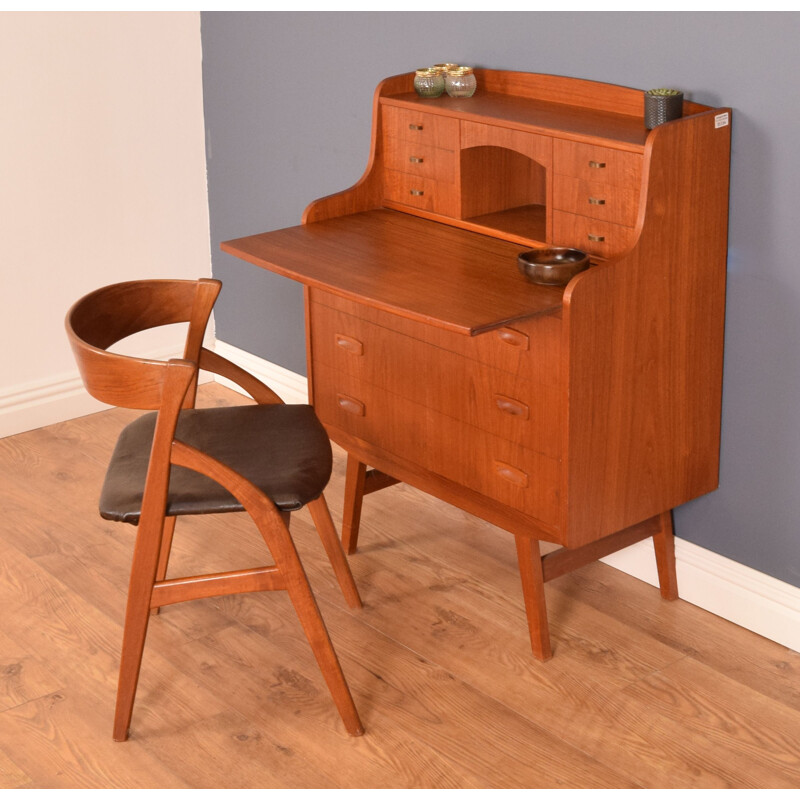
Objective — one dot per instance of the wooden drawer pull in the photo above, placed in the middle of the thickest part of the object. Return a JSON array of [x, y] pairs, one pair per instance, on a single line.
[[349, 344], [510, 406], [351, 405], [413, 127], [593, 238], [596, 201], [514, 338], [417, 192], [511, 474], [597, 164], [416, 160]]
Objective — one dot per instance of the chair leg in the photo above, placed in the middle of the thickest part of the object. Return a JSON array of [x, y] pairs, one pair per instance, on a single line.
[[314, 628], [333, 547], [664, 545], [353, 498], [166, 546], [137, 615], [530, 569]]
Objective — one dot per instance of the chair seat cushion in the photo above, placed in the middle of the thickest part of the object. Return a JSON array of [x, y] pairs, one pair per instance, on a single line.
[[282, 449]]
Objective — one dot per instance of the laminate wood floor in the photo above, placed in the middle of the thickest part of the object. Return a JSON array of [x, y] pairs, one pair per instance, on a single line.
[[640, 693]]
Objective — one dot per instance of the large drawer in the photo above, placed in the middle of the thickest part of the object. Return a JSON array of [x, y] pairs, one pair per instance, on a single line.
[[530, 347], [514, 406], [503, 470]]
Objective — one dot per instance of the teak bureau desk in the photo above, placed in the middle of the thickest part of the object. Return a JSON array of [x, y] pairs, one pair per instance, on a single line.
[[580, 415]]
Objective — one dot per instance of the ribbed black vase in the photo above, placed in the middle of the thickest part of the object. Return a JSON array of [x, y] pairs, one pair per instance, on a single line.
[[660, 108]]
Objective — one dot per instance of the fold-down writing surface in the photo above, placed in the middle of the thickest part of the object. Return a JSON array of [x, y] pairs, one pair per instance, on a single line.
[[423, 270]]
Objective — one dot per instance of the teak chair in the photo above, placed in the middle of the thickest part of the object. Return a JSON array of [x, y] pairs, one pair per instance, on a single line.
[[267, 459]]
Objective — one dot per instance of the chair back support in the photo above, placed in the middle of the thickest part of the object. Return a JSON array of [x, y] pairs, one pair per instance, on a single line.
[[110, 314]]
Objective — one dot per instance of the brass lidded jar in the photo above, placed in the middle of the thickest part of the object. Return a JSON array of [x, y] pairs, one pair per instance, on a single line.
[[429, 82], [460, 82]]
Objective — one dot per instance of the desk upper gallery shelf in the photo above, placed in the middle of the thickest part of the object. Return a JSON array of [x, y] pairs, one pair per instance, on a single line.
[[573, 415]]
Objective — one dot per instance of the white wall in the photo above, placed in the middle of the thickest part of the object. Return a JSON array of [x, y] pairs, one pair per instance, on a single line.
[[103, 178]]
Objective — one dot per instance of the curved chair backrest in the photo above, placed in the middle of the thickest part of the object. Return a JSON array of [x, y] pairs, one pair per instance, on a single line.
[[107, 315]]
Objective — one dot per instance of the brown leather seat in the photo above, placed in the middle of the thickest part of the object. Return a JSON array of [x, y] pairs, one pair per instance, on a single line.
[[283, 450], [267, 459]]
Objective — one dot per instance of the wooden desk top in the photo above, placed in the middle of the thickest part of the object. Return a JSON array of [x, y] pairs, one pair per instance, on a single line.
[[426, 271]]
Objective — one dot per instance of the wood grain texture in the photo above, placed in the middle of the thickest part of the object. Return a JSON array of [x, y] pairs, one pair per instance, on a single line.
[[645, 338], [642, 694], [434, 274]]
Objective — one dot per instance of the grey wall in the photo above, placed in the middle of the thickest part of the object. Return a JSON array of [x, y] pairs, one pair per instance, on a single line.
[[288, 102]]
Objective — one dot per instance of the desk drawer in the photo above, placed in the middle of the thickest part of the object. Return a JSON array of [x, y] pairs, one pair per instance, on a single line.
[[594, 236], [589, 162], [514, 406], [529, 347], [419, 158], [503, 470], [596, 199], [421, 192], [420, 127]]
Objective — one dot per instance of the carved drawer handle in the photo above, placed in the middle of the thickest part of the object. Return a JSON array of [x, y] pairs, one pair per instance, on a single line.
[[597, 201], [416, 159], [597, 164], [417, 192], [510, 406], [351, 405], [349, 344], [514, 338], [511, 474], [593, 238], [413, 127]]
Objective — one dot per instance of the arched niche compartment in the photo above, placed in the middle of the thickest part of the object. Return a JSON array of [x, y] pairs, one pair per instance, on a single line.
[[504, 189]]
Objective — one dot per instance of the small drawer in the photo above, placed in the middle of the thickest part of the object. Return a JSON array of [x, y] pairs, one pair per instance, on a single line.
[[596, 164], [420, 192], [598, 200], [420, 159], [420, 127], [593, 236]]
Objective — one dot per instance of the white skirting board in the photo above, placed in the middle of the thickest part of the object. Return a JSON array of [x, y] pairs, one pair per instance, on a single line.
[[32, 405], [61, 397], [730, 590]]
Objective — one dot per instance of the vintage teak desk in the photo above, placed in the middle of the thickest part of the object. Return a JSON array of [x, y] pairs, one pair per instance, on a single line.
[[579, 415]]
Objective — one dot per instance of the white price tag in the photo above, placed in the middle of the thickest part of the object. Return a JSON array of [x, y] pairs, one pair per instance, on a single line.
[[721, 120]]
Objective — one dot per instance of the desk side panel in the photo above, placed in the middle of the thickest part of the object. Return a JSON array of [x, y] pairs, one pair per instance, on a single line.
[[644, 340], [368, 192]]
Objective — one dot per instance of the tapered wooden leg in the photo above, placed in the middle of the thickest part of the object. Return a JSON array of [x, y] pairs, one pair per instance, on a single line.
[[664, 545], [166, 546], [333, 547], [530, 570], [288, 561], [137, 615], [353, 498]]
